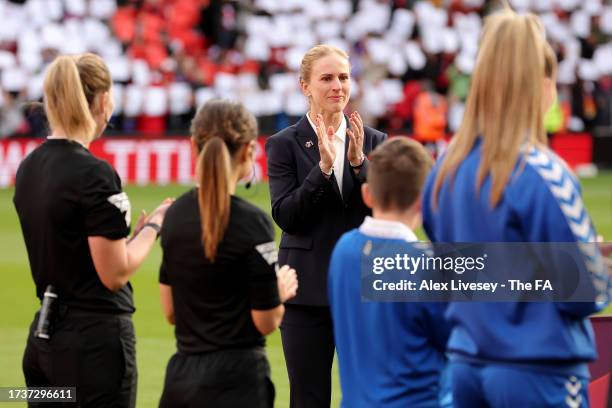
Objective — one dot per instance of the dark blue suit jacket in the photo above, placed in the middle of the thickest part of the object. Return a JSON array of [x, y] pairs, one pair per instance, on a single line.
[[309, 208]]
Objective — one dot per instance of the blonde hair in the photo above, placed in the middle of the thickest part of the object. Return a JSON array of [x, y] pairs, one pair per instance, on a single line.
[[70, 88], [504, 105], [313, 55], [220, 129], [550, 62]]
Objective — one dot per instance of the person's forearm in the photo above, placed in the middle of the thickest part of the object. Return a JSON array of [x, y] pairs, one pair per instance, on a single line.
[[138, 248], [266, 321], [277, 319]]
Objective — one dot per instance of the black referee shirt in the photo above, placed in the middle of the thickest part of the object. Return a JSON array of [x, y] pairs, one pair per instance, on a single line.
[[213, 301], [63, 194]]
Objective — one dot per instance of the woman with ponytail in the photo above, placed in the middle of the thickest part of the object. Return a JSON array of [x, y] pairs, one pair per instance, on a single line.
[[218, 283], [75, 220], [499, 182]]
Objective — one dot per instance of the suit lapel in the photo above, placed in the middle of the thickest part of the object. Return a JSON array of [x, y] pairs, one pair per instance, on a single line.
[[309, 143], [307, 139]]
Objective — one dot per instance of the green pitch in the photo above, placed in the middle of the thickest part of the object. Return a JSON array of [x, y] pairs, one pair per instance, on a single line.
[[155, 341], [154, 337]]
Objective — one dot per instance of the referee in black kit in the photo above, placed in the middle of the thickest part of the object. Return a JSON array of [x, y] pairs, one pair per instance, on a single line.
[[75, 220], [217, 279]]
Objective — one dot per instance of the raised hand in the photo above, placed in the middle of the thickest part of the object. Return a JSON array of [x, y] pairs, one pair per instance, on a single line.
[[354, 153], [327, 150], [158, 215], [287, 283], [142, 220]]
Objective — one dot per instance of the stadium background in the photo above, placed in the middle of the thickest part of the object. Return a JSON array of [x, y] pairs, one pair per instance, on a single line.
[[411, 62]]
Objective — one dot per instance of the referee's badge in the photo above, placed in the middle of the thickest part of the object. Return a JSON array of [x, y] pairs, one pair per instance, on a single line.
[[122, 202], [268, 252]]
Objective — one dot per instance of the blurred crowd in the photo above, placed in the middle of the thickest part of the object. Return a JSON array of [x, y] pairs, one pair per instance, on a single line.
[[411, 59]]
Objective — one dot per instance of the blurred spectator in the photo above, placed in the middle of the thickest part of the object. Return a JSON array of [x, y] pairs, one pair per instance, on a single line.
[[170, 56], [12, 120], [430, 110], [553, 120]]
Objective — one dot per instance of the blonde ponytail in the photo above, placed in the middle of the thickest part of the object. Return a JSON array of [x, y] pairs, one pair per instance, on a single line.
[[66, 105], [504, 105]]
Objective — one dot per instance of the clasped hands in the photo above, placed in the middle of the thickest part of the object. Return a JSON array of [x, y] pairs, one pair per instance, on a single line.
[[327, 149]]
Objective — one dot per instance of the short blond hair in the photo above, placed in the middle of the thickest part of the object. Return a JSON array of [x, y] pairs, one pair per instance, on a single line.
[[71, 84], [316, 53]]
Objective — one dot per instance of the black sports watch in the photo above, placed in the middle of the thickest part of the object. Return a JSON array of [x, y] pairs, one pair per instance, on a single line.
[[155, 226]]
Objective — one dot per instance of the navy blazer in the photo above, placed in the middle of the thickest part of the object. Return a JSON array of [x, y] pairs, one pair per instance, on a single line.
[[309, 208]]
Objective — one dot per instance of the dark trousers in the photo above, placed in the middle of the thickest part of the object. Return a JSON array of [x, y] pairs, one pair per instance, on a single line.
[[94, 352], [222, 379], [308, 344]]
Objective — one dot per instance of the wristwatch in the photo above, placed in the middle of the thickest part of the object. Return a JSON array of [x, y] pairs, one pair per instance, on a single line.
[[360, 165], [155, 226]]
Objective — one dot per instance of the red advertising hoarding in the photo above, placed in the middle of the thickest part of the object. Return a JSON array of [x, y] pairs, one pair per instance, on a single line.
[[170, 160], [138, 161]]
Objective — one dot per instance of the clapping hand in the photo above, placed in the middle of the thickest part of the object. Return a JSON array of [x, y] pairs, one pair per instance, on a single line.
[[158, 215], [327, 150], [287, 282], [355, 133], [142, 220]]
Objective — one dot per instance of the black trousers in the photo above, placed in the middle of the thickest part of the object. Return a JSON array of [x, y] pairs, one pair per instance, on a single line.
[[223, 379], [94, 352], [308, 343]]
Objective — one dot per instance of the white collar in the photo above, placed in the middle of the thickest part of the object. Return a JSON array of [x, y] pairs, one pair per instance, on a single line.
[[340, 133], [387, 229]]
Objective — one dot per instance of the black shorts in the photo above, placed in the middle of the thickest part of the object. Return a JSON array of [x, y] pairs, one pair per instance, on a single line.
[[221, 379], [94, 352]]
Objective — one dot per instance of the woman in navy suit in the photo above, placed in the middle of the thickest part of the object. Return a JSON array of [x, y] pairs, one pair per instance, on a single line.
[[316, 168]]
